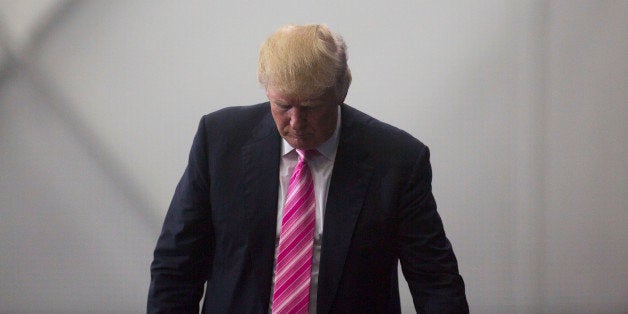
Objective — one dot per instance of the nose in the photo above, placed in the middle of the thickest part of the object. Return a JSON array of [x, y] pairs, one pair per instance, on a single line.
[[298, 118]]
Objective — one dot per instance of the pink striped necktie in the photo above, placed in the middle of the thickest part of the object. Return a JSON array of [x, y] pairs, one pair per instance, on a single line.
[[296, 239]]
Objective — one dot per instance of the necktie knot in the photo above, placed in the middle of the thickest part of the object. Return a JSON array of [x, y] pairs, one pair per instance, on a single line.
[[306, 155]]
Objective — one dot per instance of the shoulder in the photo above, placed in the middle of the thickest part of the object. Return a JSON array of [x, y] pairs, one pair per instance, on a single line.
[[381, 139], [237, 114], [238, 121]]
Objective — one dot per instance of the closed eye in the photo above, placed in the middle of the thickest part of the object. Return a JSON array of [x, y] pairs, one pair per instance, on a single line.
[[282, 106]]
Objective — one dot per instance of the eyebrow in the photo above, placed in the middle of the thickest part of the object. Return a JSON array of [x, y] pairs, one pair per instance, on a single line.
[[314, 102]]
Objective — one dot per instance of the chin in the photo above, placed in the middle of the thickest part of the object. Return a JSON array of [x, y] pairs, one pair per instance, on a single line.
[[301, 145], [298, 146]]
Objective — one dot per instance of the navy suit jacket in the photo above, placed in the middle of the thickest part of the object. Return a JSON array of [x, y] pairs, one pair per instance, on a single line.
[[221, 225]]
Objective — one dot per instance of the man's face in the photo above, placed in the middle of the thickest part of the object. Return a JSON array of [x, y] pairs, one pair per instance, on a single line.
[[304, 123]]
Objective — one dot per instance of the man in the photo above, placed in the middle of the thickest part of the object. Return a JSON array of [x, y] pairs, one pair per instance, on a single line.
[[360, 189]]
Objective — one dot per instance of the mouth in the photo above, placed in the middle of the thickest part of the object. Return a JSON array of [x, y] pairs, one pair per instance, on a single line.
[[297, 139], [298, 134]]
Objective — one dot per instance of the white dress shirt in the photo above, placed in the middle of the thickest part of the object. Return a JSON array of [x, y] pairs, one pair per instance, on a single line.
[[321, 166]]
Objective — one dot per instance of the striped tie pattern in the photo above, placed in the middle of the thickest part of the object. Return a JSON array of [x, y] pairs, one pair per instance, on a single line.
[[296, 239]]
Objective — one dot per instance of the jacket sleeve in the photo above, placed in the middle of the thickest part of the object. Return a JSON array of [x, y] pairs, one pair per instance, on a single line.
[[427, 258], [182, 257]]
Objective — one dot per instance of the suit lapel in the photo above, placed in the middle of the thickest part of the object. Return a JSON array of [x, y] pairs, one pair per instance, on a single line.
[[260, 161], [347, 190]]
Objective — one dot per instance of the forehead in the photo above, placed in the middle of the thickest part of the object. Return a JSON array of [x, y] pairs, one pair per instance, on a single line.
[[277, 95]]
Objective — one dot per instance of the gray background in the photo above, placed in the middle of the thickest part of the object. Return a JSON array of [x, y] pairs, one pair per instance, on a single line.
[[523, 104]]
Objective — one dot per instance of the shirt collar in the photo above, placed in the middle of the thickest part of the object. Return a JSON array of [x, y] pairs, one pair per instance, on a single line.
[[327, 149]]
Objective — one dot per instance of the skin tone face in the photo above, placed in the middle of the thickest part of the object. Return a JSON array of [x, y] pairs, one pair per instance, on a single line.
[[303, 123]]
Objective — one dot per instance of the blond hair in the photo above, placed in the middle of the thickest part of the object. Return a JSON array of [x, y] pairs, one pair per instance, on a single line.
[[305, 61]]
